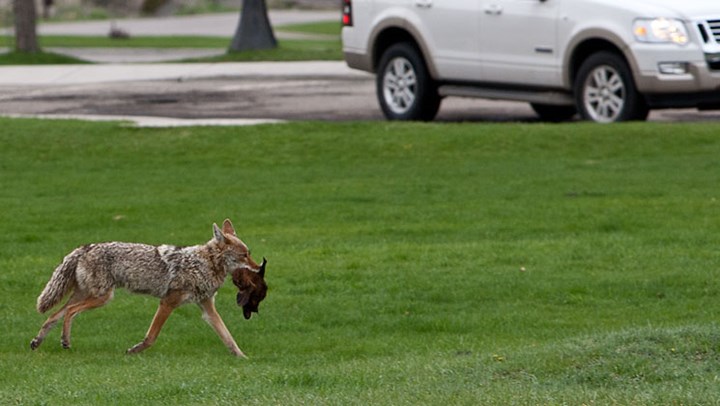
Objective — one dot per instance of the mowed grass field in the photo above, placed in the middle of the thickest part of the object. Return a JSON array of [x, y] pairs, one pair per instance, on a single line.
[[468, 264]]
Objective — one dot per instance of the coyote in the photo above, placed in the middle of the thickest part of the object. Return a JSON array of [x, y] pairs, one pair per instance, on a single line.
[[176, 275]]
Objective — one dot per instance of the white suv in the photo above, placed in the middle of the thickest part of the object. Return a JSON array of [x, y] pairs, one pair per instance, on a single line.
[[608, 60]]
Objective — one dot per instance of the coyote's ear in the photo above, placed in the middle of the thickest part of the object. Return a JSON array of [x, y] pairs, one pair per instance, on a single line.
[[218, 235], [228, 227]]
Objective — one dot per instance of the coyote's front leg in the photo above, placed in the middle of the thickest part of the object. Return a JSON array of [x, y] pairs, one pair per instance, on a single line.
[[211, 316]]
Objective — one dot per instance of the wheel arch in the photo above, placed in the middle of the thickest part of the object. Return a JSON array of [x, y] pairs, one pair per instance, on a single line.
[[592, 42], [393, 32]]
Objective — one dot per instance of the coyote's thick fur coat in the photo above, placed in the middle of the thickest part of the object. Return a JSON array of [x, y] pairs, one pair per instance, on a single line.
[[176, 275]]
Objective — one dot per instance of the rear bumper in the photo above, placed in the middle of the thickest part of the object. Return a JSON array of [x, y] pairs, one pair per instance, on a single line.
[[357, 60]]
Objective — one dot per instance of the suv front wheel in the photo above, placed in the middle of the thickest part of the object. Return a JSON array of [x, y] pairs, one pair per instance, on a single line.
[[605, 91], [404, 87]]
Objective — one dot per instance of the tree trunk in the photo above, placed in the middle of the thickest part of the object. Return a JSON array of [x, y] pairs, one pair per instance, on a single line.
[[25, 28], [254, 30]]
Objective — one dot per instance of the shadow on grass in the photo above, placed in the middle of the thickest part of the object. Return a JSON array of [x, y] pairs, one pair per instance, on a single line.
[[38, 58]]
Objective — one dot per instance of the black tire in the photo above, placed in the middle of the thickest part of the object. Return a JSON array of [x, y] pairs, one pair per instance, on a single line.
[[553, 113], [605, 91], [404, 88]]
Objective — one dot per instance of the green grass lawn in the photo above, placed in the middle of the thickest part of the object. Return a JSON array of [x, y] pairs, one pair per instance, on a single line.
[[321, 27], [287, 50], [408, 263]]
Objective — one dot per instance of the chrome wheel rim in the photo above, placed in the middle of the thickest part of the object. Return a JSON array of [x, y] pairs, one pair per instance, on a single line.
[[399, 85], [604, 94]]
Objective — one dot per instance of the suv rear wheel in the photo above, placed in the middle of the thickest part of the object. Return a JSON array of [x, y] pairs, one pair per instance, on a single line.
[[404, 87], [605, 91]]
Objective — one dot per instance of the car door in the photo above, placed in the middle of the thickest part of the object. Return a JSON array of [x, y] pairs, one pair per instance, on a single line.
[[450, 29], [518, 42]]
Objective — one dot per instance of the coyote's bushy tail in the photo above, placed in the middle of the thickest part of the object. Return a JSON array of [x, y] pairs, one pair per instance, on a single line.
[[61, 281]]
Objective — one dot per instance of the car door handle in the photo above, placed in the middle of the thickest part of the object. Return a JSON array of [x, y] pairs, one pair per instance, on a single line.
[[493, 9], [423, 3]]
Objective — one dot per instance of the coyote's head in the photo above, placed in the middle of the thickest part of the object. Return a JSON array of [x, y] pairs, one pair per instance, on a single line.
[[247, 275]]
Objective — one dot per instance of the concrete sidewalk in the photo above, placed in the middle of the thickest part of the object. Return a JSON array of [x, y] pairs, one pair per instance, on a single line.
[[45, 75], [153, 122], [138, 55]]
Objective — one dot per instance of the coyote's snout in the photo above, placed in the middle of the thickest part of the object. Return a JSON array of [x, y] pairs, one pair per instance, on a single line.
[[176, 275]]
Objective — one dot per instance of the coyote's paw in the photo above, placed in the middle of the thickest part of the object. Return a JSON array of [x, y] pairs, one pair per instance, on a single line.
[[238, 354], [137, 348]]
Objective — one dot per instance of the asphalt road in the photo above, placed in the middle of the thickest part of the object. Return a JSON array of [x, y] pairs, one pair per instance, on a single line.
[[333, 98], [285, 98]]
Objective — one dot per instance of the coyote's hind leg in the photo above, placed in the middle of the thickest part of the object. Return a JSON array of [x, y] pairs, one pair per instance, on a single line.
[[52, 321], [78, 307]]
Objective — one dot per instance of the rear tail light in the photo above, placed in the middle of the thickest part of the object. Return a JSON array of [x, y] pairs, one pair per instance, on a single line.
[[347, 13]]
